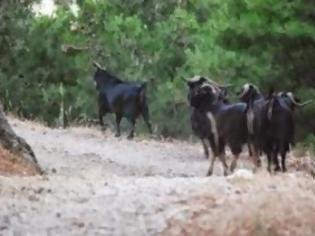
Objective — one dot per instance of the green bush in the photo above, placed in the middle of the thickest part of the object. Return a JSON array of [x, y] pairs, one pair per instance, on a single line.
[[269, 43]]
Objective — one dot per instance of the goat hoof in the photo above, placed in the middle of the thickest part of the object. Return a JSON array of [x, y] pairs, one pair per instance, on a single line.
[[277, 169], [130, 137], [209, 174], [232, 167], [152, 136]]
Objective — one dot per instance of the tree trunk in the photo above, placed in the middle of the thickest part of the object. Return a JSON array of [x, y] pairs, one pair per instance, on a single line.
[[18, 147]]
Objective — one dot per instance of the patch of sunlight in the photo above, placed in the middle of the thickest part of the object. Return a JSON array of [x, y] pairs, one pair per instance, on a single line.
[[45, 7], [48, 8]]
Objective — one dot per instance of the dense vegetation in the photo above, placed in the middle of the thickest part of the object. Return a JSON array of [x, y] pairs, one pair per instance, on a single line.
[[46, 70]]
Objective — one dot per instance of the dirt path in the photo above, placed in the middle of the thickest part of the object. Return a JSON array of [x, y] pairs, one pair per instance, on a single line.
[[100, 185]]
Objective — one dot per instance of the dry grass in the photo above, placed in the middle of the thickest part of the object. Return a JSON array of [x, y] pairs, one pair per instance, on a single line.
[[11, 164], [260, 209], [305, 163]]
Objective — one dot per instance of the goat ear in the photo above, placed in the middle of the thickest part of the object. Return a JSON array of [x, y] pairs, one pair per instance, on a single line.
[[143, 85], [202, 79], [188, 82], [297, 99]]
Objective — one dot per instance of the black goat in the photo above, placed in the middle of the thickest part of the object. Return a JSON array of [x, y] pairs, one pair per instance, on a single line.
[[255, 101], [222, 124], [125, 99], [200, 123], [282, 125], [258, 115], [270, 123], [251, 95], [281, 129]]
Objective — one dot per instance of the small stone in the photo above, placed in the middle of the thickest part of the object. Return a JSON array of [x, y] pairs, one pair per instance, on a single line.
[[3, 227], [40, 190], [79, 224], [33, 198], [238, 191]]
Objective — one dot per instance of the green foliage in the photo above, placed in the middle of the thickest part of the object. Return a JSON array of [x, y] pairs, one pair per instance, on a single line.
[[310, 142], [267, 42]]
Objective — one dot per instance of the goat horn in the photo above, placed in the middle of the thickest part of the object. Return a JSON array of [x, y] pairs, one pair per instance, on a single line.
[[303, 103], [226, 85], [208, 80], [97, 65], [290, 95], [194, 79], [280, 93], [218, 85], [212, 82]]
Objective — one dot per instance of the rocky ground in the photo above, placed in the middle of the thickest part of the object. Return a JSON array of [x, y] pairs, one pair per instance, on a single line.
[[99, 185]]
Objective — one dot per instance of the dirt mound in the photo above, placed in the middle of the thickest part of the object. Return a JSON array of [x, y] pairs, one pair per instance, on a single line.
[[11, 164]]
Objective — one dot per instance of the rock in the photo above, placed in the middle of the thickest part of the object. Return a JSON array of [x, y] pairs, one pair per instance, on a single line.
[[40, 190], [3, 227], [33, 198], [242, 174], [79, 224]]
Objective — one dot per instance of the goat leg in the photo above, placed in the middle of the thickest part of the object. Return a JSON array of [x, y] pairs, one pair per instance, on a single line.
[[250, 152], [210, 170], [205, 147], [255, 157], [283, 156], [234, 163], [225, 166], [269, 157], [101, 114], [118, 119], [276, 162], [132, 131]]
